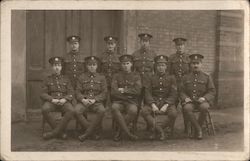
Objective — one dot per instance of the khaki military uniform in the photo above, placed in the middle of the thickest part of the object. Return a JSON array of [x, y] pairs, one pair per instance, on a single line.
[[74, 66], [179, 66], [144, 63], [91, 86], [126, 102], [110, 65], [195, 85], [162, 90], [57, 87]]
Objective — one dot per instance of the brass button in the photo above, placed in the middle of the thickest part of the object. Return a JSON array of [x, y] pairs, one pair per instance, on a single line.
[[160, 98], [160, 83], [74, 75], [160, 89]]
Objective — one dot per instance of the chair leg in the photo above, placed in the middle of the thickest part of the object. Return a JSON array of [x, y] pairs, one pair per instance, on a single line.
[[43, 124], [211, 123], [189, 128], [207, 126]]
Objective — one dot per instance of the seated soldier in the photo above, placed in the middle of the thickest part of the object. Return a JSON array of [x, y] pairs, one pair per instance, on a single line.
[[197, 91], [91, 91], [125, 91], [160, 97], [57, 96]]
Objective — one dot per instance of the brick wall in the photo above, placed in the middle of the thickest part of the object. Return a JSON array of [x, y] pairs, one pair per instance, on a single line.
[[218, 35], [199, 27], [229, 79]]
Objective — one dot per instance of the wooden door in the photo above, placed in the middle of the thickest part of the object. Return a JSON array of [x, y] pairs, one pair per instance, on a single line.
[[46, 37]]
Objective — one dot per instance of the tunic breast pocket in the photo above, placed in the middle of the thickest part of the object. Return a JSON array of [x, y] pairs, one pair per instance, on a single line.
[[51, 86], [97, 85], [63, 86], [85, 84], [188, 85], [201, 84], [130, 83]]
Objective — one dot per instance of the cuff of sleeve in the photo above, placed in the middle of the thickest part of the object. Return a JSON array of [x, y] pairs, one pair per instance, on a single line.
[[69, 97], [80, 98]]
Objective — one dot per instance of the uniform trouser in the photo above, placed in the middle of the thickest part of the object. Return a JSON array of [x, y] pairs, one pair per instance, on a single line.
[[185, 119], [68, 111], [169, 120], [82, 110], [130, 110], [203, 109]]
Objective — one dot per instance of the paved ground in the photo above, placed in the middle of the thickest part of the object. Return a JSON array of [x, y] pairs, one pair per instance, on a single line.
[[228, 124]]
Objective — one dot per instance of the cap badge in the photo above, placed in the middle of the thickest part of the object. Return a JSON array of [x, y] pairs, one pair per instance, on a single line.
[[92, 58], [110, 38], [56, 59], [73, 38], [161, 57], [196, 57]]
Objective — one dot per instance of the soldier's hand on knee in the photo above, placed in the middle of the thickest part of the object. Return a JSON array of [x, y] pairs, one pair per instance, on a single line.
[[201, 99], [164, 108], [92, 101], [121, 90], [155, 108], [85, 102], [55, 101], [188, 100], [62, 101]]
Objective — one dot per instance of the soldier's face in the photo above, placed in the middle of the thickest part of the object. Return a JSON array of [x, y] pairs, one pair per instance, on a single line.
[[92, 67], [127, 66], [57, 68], [161, 67], [180, 48], [145, 43], [196, 66], [111, 46], [74, 46]]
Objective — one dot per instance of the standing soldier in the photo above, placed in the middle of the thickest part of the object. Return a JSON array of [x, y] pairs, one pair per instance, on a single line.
[[125, 92], [144, 58], [144, 61], [57, 96], [110, 60], [74, 60], [197, 91], [160, 97], [91, 93], [179, 65]]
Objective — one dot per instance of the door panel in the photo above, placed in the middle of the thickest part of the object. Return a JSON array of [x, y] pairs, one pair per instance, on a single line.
[[46, 37]]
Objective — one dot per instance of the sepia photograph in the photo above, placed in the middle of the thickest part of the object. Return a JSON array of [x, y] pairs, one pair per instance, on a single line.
[[124, 80]]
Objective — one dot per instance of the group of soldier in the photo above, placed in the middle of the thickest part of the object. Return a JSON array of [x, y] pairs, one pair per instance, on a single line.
[[142, 83]]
